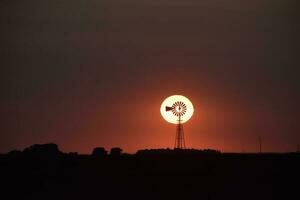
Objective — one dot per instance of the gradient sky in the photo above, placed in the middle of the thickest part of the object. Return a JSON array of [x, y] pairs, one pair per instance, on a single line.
[[87, 73]]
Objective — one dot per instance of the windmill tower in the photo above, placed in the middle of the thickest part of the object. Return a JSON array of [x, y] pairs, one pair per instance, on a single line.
[[179, 139], [260, 144]]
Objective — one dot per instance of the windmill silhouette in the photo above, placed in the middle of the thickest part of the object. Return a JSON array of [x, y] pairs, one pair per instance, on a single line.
[[178, 109]]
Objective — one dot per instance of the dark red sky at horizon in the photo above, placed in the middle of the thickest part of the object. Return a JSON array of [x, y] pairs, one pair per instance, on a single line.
[[89, 73]]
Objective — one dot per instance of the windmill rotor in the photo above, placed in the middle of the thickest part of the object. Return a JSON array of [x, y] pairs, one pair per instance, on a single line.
[[179, 108]]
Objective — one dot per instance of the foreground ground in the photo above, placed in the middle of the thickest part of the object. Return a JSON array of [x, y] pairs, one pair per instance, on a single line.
[[159, 174]]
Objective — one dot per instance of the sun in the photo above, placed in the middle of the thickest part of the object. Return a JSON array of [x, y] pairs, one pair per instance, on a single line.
[[175, 107]]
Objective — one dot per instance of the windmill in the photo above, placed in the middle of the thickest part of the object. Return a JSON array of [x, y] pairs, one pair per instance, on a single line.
[[177, 110]]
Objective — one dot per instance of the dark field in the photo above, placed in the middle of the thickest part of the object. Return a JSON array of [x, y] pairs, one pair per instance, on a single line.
[[149, 174]]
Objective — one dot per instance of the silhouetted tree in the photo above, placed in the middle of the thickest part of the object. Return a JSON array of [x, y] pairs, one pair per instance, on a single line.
[[14, 152], [50, 149], [99, 152], [73, 154], [116, 151]]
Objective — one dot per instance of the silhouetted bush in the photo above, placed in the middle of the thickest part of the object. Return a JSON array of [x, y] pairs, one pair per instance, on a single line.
[[99, 152], [116, 151]]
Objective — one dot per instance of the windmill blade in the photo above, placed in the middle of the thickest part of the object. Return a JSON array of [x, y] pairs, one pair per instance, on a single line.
[[169, 108]]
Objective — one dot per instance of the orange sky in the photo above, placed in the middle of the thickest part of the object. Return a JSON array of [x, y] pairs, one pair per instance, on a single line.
[[94, 73]]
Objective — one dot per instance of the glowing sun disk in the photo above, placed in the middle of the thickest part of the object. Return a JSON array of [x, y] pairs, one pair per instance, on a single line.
[[175, 106]]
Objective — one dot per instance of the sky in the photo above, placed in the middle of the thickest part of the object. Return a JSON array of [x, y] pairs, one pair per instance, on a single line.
[[87, 73]]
